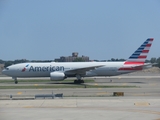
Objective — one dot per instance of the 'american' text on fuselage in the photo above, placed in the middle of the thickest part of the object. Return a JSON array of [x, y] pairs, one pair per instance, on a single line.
[[44, 69]]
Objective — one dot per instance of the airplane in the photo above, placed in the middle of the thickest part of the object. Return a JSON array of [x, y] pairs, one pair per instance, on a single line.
[[58, 71]]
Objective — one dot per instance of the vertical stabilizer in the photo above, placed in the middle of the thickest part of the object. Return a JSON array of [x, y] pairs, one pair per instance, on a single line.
[[140, 55], [137, 59]]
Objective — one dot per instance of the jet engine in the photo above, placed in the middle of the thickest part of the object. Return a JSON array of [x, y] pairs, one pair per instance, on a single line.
[[57, 76]]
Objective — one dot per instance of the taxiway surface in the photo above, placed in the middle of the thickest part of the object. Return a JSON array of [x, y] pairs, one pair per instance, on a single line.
[[140, 102]]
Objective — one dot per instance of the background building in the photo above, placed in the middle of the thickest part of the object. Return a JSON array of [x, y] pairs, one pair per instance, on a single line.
[[73, 58]]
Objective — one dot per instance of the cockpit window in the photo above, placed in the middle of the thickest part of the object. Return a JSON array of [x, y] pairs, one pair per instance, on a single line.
[[6, 68]]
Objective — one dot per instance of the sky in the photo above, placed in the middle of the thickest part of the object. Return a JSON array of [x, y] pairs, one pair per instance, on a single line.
[[100, 29]]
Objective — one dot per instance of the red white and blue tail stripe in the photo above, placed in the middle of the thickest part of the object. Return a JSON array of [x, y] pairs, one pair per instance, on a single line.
[[141, 53], [137, 59]]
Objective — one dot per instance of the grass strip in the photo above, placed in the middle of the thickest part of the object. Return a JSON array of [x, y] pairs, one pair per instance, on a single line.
[[42, 80], [63, 86]]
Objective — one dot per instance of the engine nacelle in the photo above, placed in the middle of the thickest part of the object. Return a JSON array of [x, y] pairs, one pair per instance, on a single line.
[[57, 76]]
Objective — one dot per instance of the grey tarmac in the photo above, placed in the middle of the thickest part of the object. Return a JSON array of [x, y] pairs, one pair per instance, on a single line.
[[81, 108], [142, 102]]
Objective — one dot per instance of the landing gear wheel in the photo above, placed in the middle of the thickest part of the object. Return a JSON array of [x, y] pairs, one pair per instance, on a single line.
[[16, 82], [82, 81], [78, 81], [75, 81]]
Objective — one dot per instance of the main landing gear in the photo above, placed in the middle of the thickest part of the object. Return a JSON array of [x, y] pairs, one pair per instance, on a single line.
[[15, 80], [79, 80]]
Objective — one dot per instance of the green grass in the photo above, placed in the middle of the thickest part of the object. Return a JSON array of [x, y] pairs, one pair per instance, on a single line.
[[42, 80], [48, 84], [63, 86]]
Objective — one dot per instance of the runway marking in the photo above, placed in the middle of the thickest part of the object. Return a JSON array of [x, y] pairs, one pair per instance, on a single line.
[[145, 94], [35, 84], [124, 84], [19, 93], [153, 84], [99, 88], [111, 109], [133, 110], [95, 84], [102, 93], [141, 104], [28, 107], [119, 77]]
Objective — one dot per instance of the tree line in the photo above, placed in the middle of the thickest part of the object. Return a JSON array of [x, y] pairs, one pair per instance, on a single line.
[[10, 62]]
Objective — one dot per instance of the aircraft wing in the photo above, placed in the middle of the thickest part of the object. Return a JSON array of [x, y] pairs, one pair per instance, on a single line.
[[82, 70]]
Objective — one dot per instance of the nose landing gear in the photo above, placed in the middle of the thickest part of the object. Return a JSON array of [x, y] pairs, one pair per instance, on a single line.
[[15, 80]]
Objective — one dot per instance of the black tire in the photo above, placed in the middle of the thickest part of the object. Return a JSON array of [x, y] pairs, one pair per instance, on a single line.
[[16, 82], [75, 81], [78, 81], [82, 81]]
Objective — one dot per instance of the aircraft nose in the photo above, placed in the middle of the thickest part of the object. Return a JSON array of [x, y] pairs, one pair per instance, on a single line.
[[3, 71]]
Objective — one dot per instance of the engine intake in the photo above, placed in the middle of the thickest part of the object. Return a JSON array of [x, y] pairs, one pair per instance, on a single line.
[[57, 76]]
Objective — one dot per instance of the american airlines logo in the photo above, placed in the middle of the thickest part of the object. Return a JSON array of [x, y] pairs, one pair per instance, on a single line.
[[24, 69], [43, 69], [46, 68]]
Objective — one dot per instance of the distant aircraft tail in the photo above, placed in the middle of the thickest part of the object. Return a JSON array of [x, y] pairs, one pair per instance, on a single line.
[[137, 60], [140, 55]]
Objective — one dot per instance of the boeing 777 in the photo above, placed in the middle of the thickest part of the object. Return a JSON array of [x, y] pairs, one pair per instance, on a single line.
[[61, 70]]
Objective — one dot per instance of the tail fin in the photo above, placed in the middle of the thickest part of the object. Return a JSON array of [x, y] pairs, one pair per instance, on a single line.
[[140, 55]]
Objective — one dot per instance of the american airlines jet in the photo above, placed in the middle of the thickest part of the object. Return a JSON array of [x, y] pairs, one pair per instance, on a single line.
[[61, 70]]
